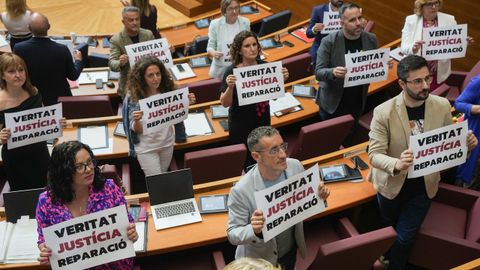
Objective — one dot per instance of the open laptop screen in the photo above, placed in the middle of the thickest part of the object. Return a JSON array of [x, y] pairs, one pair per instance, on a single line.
[[170, 186], [21, 203]]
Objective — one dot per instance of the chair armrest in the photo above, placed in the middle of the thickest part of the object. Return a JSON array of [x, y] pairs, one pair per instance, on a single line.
[[345, 228], [456, 196], [442, 90], [126, 177], [218, 260]]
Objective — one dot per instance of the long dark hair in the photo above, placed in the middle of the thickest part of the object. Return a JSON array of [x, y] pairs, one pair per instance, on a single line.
[[62, 168], [136, 79], [236, 48]]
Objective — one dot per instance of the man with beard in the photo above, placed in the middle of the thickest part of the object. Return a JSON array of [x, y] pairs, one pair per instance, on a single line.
[[316, 25], [404, 201], [245, 221], [333, 99]]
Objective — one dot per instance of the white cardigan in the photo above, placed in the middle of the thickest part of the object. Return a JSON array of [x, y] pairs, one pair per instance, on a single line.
[[412, 31]]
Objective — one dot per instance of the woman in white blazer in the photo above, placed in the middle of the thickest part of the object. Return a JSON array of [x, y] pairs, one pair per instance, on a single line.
[[427, 15], [220, 36]]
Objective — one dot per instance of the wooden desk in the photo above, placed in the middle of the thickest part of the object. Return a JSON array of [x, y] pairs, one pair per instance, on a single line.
[[180, 35], [91, 90], [212, 229]]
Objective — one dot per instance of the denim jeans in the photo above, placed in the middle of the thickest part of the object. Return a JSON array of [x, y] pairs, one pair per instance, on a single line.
[[405, 213]]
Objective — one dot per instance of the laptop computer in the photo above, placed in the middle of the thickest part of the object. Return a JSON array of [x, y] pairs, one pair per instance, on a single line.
[[21, 203], [172, 199]]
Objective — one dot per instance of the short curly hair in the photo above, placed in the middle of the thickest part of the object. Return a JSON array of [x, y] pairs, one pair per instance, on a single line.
[[236, 47], [136, 83], [420, 3], [62, 168]]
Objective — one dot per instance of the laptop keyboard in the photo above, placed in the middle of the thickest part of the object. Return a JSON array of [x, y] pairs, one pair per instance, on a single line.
[[173, 210]]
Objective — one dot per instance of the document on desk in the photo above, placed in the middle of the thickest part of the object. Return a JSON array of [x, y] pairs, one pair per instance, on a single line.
[[141, 244], [90, 77], [21, 247], [197, 124], [94, 136], [282, 104], [3, 41]]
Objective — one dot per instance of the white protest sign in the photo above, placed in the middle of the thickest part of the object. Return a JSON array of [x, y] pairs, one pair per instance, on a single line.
[[34, 125], [164, 110], [438, 149], [366, 67], [259, 83], [158, 48], [90, 240], [226, 59], [331, 22], [289, 202], [444, 42]]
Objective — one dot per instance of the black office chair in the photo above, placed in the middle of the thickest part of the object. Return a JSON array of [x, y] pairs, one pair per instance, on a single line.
[[83, 49], [199, 45], [98, 60], [274, 23]]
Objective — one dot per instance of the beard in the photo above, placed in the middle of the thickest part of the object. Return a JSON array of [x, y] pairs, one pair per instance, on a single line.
[[337, 3], [422, 95]]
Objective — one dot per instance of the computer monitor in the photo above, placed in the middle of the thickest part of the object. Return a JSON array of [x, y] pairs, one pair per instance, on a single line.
[[274, 23], [83, 49]]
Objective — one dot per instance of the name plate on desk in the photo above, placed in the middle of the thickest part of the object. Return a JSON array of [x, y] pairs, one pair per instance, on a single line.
[[94, 136]]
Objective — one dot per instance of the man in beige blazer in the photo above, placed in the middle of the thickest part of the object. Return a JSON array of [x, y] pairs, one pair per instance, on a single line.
[[405, 201], [131, 34]]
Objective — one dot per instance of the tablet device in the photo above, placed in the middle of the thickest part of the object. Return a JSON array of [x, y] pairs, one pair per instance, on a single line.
[[213, 204], [202, 23], [218, 111], [270, 43], [248, 10], [119, 130], [333, 173], [203, 61], [300, 90]]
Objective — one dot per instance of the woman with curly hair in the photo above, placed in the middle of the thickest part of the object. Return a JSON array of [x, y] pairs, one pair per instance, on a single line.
[[16, 20], [75, 188], [245, 51], [154, 151]]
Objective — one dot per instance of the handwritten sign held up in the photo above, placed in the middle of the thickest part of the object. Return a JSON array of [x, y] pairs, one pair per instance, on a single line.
[[158, 48], [438, 149], [331, 22], [35, 125], [366, 67], [289, 202], [164, 110], [259, 83], [90, 240], [445, 42]]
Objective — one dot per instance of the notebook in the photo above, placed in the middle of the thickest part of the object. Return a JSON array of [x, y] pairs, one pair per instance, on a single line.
[[21, 203], [172, 199]]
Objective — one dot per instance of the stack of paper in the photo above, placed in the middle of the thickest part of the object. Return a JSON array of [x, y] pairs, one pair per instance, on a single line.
[[182, 71], [197, 124], [19, 242], [283, 104]]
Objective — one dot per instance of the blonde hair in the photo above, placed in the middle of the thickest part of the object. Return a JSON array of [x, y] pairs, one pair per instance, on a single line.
[[9, 59], [247, 263], [420, 3], [16, 8], [143, 5]]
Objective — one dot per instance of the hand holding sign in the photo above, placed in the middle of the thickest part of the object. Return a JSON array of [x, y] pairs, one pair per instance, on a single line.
[[405, 160], [5, 134], [257, 220], [417, 46], [45, 253], [472, 141], [318, 27]]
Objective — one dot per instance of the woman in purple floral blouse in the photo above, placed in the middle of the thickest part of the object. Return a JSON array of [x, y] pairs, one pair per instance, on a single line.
[[75, 189]]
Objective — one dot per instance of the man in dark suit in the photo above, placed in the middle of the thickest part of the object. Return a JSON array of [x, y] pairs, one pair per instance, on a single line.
[[49, 63], [316, 25], [333, 99]]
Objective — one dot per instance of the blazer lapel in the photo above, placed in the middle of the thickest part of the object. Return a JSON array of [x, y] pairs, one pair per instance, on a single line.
[[429, 115], [340, 50], [402, 114]]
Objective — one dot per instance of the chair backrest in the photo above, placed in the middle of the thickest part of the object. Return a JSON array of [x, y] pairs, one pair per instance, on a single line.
[[369, 26], [206, 90], [199, 45], [86, 106], [83, 48], [216, 163], [362, 251], [274, 23], [321, 138], [473, 72], [299, 66], [98, 60]]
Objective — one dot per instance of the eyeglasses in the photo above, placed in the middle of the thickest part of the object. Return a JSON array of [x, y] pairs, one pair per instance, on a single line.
[[419, 82], [82, 167], [275, 150], [235, 9], [432, 4]]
